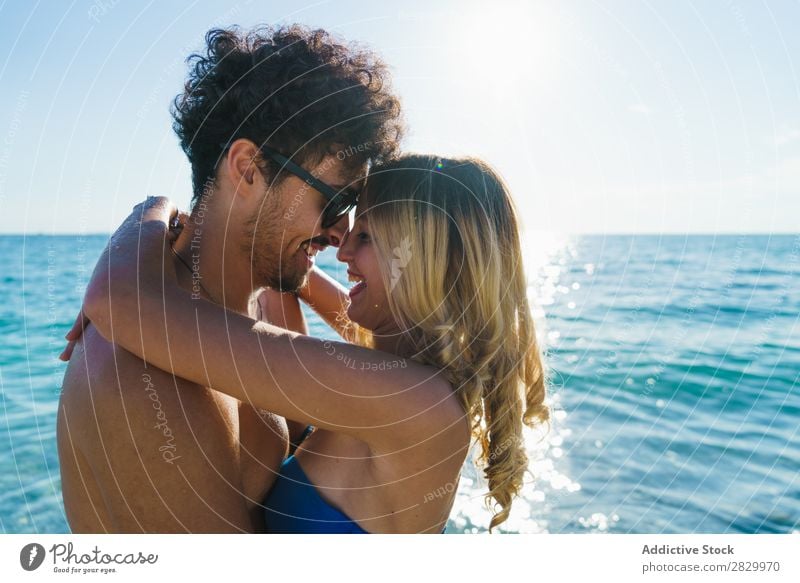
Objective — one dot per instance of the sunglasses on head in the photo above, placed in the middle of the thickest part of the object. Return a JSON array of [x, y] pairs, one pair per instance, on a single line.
[[339, 202]]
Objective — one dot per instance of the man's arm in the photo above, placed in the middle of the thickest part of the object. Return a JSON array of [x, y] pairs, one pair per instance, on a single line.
[[283, 309]]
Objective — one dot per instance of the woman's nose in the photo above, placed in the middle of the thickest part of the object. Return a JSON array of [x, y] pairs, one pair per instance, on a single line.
[[344, 253]]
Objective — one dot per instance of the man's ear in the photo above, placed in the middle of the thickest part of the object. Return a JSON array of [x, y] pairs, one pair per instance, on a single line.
[[241, 165]]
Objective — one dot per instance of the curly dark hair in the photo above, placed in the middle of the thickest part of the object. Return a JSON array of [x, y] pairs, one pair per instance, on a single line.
[[296, 90]]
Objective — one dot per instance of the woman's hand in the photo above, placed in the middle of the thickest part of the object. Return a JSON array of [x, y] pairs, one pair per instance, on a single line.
[[74, 335], [151, 209], [133, 262]]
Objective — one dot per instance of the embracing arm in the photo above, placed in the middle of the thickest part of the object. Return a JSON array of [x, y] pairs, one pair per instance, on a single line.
[[134, 300], [328, 298]]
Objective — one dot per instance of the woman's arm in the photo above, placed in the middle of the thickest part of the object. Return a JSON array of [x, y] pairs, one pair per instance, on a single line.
[[328, 298], [134, 300], [280, 309]]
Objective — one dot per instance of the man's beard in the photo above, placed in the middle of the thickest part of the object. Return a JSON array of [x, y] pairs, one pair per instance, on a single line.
[[270, 264]]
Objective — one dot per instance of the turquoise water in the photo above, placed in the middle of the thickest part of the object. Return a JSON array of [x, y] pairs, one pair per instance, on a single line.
[[674, 360]]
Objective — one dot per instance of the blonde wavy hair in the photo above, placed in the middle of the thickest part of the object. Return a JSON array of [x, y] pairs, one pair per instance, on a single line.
[[449, 231]]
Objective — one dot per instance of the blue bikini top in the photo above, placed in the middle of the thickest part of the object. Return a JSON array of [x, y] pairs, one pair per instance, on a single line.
[[294, 506]]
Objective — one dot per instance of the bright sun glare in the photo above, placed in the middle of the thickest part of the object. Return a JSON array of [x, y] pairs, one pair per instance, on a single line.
[[511, 44]]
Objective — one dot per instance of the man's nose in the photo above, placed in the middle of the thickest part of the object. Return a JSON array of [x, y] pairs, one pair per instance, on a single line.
[[336, 232]]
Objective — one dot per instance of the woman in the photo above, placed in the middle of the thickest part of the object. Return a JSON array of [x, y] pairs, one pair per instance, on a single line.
[[441, 350]]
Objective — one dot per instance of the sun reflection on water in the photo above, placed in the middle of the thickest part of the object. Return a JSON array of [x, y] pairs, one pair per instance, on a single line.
[[545, 257]]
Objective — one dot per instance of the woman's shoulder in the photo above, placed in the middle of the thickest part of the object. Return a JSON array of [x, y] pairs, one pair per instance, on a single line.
[[438, 419], [430, 387]]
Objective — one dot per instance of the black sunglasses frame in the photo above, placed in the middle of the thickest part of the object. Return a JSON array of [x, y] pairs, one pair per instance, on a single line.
[[340, 202]]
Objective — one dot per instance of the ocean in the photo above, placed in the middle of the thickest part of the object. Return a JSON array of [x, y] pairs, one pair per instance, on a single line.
[[674, 366]]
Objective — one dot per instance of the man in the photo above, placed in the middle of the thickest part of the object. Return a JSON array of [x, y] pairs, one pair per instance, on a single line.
[[279, 126]]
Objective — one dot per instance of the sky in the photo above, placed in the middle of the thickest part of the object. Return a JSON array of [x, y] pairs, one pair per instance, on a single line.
[[604, 117]]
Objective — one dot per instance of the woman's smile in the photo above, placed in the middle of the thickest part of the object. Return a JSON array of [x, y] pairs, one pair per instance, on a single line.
[[360, 286]]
